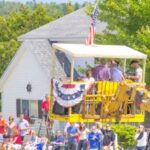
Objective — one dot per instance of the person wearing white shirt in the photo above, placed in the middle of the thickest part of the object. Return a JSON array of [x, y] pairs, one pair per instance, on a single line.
[[89, 78], [23, 126], [141, 138], [138, 76], [90, 82], [83, 135]]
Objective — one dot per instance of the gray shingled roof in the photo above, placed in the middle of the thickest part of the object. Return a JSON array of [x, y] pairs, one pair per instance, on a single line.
[[43, 54], [74, 26], [71, 26]]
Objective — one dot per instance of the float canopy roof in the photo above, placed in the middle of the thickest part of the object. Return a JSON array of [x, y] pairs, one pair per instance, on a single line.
[[102, 51]]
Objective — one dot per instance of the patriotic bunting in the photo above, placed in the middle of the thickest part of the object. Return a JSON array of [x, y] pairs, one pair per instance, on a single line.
[[67, 95]]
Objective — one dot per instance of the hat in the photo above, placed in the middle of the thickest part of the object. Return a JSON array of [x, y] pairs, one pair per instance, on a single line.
[[133, 61]]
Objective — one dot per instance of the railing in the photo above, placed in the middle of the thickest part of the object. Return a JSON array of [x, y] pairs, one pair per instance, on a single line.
[[107, 100], [91, 106], [110, 100], [107, 88]]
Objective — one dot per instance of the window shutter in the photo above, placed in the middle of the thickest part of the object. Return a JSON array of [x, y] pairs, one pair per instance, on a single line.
[[39, 109], [18, 107]]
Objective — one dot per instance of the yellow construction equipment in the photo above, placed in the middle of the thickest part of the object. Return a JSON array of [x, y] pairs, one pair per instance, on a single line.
[[113, 102], [124, 101]]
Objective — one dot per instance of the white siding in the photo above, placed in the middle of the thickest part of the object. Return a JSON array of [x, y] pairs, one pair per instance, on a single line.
[[27, 70]]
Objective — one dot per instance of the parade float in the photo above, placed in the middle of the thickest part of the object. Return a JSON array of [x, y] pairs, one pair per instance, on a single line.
[[109, 101]]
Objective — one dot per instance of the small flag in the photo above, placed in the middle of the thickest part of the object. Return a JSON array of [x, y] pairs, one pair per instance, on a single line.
[[90, 39]]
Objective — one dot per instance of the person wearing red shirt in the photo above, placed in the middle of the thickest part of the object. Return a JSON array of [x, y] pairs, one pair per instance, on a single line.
[[45, 107], [2, 124], [16, 141]]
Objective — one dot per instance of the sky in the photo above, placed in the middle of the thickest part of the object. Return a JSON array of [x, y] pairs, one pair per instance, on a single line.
[[57, 1]]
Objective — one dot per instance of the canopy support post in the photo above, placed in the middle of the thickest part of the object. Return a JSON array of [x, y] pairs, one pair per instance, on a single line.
[[72, 69], [124, 65], [144, 69]]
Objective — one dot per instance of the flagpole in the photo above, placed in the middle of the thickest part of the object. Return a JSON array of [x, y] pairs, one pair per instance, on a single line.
[[90, 38]]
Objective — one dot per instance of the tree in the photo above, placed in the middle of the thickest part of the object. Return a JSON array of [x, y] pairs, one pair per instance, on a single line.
[[76, 6], [127, 24], [70, 7], [21, 18], [18, 23]]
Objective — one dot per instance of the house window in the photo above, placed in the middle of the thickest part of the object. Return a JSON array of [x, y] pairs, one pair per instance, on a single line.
[[30, 108]]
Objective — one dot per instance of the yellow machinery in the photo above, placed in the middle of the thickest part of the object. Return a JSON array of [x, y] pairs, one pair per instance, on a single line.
[[113, 102], [124, 101]]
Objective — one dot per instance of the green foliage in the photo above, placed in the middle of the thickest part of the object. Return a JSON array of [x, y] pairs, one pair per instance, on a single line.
[[17, 19], [83, 70], [126, 134], [16, 24], [128, 23], [70, 7], [7, 51]]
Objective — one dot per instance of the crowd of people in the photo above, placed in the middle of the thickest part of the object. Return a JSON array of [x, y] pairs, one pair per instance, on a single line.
[[111, 71], [18, 135], [81, 138], [75, 136]]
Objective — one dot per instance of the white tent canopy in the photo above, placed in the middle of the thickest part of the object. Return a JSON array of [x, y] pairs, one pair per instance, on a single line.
[[103, 51]]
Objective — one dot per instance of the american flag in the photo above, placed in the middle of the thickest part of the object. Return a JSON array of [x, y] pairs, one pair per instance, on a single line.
[[90, 39]]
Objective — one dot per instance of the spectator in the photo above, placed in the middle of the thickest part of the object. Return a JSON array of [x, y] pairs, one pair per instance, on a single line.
[[31, 144], [16, 141], [141, 138], [2, 124], [68, 125], [94, 138], [45, 107], [58, 141], [138, 72], [10, 126], [101, 131], [101, 72], [99, 127], [9, 129], [42, 143], [83, 134], [115, 72], [72, 133], [23, 126], [109, 138]]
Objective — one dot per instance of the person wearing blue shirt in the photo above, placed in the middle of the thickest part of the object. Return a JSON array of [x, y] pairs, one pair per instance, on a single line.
[[115, 72], [72, 133], [58, 141], [94, 138]]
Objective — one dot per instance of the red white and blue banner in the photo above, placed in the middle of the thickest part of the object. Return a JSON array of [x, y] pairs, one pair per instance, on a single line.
[[67, 95]]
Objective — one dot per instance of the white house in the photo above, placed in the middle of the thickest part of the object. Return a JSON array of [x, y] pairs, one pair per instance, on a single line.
[[27, 78]]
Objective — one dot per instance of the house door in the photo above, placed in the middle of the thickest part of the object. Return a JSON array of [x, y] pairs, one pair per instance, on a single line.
[[25, 107], [34, 109], [31, 108]]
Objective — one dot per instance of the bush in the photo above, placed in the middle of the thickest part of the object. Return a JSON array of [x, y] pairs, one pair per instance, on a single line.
[[125, 134]]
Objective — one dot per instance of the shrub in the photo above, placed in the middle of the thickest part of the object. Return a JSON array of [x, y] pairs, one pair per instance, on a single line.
[[126, 134]]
